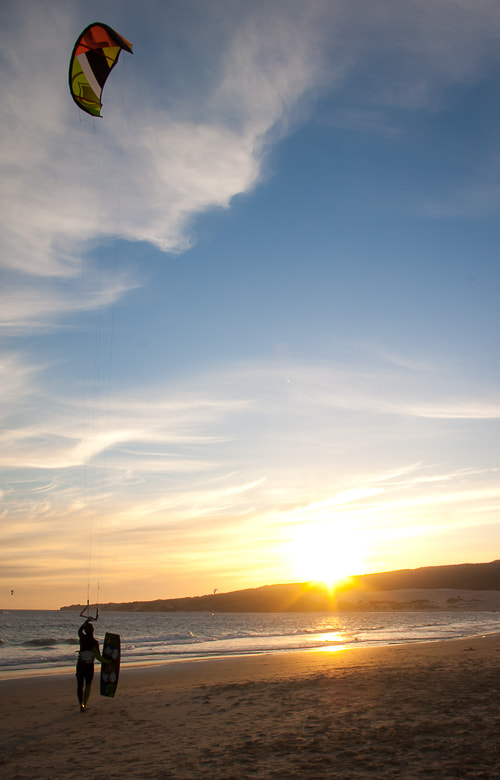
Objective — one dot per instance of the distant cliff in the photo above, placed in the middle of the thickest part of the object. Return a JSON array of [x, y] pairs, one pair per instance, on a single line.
[[462, 587]]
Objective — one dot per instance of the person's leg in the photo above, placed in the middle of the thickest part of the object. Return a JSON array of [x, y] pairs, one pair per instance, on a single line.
[[79, 685], [86, 693], [89, 676]]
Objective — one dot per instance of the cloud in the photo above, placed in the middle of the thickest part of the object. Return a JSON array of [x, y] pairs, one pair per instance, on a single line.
[[27, 307], [410, 388], [17, 379], [158, 160], [244, 418], [63, 432], [147, 169]]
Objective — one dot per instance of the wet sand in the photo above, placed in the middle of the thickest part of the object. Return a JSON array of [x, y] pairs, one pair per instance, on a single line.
[[408, 711]]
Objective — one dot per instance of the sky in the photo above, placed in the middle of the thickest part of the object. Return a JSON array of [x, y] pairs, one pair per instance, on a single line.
[[250, 318]]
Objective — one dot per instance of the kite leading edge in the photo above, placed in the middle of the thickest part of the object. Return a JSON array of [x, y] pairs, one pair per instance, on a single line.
[[94, 56]]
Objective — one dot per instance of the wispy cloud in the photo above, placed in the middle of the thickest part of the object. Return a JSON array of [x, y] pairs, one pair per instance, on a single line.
[[173, 430], [27, 307], [69, 186]]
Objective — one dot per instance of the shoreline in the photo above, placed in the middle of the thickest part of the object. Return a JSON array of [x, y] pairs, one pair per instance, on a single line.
[[7, 674], [418, 710]]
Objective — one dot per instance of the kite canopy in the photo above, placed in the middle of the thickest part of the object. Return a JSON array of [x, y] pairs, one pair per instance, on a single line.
[[94, 56]]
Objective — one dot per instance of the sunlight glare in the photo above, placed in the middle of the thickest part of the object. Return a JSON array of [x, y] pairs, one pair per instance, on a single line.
[[326, 551]]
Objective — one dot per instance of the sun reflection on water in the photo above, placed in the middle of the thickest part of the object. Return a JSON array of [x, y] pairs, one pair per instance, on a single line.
[[331, 642]]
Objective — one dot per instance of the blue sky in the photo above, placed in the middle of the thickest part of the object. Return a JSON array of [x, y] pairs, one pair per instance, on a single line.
[[249, 319]]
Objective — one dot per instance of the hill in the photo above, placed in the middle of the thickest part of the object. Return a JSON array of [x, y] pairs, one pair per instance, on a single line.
[[466, 576], [461, 586]]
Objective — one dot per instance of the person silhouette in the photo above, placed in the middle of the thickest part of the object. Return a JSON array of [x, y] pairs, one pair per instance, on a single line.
[[89, 651]]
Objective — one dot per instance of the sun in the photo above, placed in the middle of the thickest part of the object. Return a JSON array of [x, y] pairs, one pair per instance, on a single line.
[[325, 552]]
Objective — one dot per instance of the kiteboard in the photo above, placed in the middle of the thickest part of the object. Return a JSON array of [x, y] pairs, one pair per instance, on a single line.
[[111, 670]]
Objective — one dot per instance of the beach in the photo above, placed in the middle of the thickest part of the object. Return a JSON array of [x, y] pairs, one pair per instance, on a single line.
[[424, 710]]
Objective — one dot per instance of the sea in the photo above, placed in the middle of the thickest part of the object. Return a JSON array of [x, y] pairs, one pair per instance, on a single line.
[[35, 642]]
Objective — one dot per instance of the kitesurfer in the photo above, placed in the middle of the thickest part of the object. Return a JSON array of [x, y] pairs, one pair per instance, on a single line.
[[89, 650]]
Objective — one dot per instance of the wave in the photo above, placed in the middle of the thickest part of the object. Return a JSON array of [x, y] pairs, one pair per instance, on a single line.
[[167, 639], [48, 642]]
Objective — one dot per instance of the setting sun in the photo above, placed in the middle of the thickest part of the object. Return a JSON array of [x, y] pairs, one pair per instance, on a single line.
[[325, 551]]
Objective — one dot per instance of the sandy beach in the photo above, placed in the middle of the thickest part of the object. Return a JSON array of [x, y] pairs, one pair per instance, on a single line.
[[407, 711]]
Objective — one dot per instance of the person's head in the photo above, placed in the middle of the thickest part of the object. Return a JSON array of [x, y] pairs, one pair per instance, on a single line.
[[89, 628]]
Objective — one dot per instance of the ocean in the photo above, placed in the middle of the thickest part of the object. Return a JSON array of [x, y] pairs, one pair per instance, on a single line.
[[33, 642]]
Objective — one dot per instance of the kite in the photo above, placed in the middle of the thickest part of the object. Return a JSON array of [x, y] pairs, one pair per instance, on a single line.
[[94, 56]]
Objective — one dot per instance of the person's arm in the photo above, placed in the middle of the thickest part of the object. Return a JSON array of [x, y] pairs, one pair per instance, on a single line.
[[98, 656]]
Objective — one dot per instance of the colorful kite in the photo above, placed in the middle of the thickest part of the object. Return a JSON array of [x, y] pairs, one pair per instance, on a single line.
[[94, 56]]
